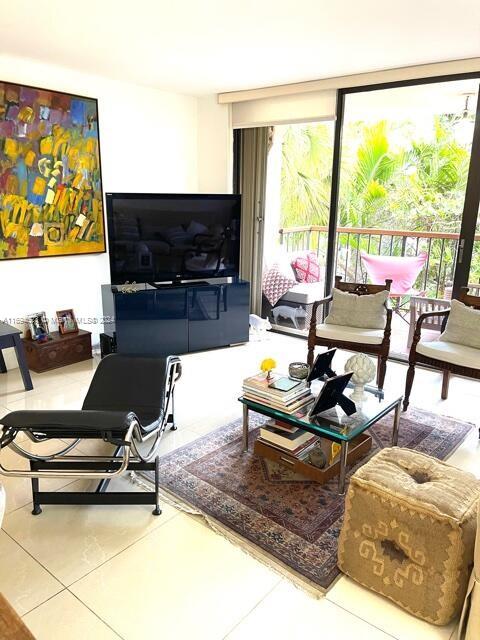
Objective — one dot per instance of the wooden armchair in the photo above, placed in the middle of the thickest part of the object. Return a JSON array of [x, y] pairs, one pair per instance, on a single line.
[[375, 342], [447, 356]]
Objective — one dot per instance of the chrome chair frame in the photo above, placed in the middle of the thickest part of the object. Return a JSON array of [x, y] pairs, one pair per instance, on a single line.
[[128, 455]]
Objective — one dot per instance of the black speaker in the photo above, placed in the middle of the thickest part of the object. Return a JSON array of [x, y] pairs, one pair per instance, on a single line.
[[108, 344]]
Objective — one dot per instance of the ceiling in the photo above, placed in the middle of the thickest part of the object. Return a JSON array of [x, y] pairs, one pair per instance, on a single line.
[[199, 47]]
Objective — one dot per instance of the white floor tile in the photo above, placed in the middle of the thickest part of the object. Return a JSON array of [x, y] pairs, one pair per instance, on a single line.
[[12, 389], [71, 540], [467, 456], [172, 440], [64, 617], [195, 583], [19, 490], [62, 394], [382, 613], [288, 612], [23, 581], [208, 587]]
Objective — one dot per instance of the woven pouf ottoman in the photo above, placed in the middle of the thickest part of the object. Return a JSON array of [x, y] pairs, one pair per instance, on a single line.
[[409, 532]]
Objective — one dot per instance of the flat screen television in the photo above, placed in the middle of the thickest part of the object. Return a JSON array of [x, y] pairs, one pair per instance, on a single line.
[[172, 237]]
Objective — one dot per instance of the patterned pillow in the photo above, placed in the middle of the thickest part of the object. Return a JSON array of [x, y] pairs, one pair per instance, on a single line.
[[463, 325], [306, 267], [276, 283]]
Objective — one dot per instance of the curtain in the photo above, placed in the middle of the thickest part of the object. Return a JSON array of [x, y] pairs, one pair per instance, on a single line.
[[469, 628], [251, 151]]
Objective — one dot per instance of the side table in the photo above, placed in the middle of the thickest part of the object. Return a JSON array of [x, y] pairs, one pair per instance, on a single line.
[[10, 337]]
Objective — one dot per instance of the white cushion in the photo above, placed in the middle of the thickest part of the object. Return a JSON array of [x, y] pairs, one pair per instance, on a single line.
[[350, 334], [450, 352], [305, 292], [463, 325], [367, 312]]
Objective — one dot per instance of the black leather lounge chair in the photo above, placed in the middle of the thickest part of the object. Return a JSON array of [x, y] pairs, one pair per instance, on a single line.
[[129, 404]]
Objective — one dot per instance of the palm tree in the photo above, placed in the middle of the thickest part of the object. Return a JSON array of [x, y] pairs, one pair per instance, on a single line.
[[306, 174]]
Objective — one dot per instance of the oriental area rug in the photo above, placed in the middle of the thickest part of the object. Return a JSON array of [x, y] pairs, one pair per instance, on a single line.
[[282, 518]]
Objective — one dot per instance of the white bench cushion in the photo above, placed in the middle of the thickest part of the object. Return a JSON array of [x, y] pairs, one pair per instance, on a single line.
[[450, 352], [350, 334], [305, 292]]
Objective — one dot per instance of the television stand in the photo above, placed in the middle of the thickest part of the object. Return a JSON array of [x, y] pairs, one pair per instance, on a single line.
[[178, 318]]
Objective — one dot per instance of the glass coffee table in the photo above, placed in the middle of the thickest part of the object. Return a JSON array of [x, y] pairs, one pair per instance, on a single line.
[[334, 425]]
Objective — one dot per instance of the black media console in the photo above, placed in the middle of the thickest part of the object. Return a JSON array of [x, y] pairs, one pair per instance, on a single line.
[[177, 318]]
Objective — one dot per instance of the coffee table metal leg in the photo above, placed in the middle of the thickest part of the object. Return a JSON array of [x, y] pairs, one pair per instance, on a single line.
[[245, 427], [343, 467], [396, 424]]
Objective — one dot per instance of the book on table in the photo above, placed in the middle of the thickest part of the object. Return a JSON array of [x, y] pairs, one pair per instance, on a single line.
[[271, 434], [290, 407], [282, 396], [292, 441], [279, 386]]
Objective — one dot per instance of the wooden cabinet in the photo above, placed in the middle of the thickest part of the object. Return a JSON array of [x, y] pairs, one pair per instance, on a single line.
[[59, 351]]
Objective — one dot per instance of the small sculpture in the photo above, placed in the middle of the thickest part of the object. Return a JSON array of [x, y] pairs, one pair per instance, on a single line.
[[267, 365], [364, 371], [289, 313], [128, 287], [259, 326]]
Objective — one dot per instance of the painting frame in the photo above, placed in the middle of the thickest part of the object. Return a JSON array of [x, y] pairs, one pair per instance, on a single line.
[[62, 316], [100, 245], [38, 326]]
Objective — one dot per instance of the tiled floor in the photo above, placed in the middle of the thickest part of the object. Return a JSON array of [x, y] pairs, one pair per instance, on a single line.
[[118, 572]]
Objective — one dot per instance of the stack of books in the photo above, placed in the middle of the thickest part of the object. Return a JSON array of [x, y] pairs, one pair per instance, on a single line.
[[292, 440], [280, 392]]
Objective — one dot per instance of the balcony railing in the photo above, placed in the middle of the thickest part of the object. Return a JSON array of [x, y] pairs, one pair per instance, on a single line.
[[441, 249]]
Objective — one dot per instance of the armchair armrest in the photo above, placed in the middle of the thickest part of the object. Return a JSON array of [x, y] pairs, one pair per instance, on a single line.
[[316, 304], [421, 319], [431, 314]]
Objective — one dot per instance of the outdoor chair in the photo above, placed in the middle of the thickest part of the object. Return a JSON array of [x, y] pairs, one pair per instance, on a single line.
[[420, 305], [371, 341], [402, 270], [449, 357], [129, 404]]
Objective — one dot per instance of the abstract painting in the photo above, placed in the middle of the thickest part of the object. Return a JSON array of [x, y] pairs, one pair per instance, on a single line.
[[50, 174]]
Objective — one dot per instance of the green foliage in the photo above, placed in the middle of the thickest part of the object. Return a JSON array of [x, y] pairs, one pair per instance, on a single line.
[[392, 177], [306, 175]]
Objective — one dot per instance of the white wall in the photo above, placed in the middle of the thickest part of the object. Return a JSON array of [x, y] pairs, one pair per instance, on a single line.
[[148, 142], [215, 146]]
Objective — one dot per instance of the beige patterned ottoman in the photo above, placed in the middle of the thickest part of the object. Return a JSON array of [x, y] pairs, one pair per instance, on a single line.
[[409, 532]]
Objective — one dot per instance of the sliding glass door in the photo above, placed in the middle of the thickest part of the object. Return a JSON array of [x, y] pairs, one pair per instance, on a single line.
[[393, 185], [467, 271], [297, 213], [406, 179]]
